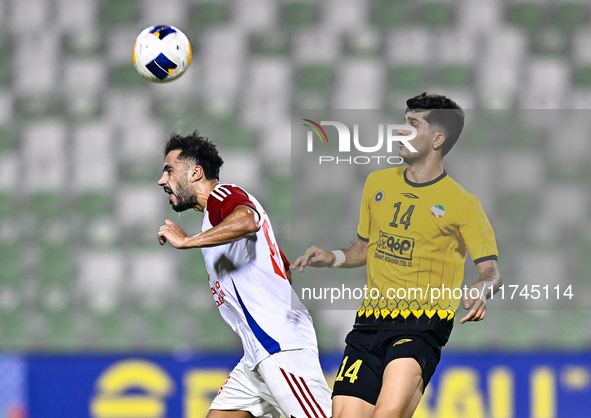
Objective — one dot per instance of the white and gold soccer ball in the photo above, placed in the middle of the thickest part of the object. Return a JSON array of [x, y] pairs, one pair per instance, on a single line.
[[161, 53]]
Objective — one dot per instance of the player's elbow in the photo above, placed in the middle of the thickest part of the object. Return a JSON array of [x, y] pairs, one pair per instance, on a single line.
[[251, 226], [499, 281], [251, 222]]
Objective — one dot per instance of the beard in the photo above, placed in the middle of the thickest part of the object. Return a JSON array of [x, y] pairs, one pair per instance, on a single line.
[[185, 200]]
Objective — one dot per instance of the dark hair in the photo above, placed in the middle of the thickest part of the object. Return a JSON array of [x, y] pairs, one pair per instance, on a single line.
[[443, 113], [199, 150]]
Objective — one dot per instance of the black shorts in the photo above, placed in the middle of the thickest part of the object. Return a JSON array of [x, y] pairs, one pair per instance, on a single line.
[[369, 352]]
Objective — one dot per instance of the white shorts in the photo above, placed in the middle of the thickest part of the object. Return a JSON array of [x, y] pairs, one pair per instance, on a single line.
[[288, 383]]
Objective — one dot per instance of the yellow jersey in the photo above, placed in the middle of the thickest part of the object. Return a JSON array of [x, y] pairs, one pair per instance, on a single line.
[[417, 238]]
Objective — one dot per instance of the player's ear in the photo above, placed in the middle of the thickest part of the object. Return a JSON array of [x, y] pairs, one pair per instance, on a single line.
[[438, 140], [196, 173]]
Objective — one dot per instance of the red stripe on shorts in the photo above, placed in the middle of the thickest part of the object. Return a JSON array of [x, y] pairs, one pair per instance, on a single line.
[[295, 393], [304, 394], [312, 396]]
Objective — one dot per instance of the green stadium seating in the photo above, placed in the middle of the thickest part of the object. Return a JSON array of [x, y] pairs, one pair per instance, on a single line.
[[14, 330], [517, 208], [571, 16], [233, 133], [7, 139], [582, 264], [314, 77], [209, 13], [47, 206], [551, 42], [214, 334], [408, 78], [126, 77], [62, 333], [519, 334], [366, 44], [529, 16], [11, 265], [279, 206], [312, 87], [386, 14], [436, 15], [8, 206], [455, 76], [92, 205], [34, 108], [141, 172], [269, 43], [565, 174], [298, 14], [163, 330], [571, 330], [56, 265], [582, 76], [466, 337], [5, 62], [523, 138], [113, 332], [120, 12], [82, 109]]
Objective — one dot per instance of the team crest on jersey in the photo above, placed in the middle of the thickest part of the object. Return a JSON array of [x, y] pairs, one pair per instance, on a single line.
[[379, 196], [438, 211]]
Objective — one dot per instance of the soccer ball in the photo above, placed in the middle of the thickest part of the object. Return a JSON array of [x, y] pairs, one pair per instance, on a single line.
[[161, 53]]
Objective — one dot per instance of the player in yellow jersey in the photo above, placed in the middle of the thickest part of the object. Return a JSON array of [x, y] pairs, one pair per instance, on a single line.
[[415, 227]]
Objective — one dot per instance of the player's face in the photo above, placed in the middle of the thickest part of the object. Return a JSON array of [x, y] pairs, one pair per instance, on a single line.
[[423, 141], [175, 182]]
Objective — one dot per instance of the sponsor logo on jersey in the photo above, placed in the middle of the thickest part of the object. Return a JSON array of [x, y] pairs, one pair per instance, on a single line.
[[404, 340], [379, 196], [395, 247], [409, 195], [438, 211]]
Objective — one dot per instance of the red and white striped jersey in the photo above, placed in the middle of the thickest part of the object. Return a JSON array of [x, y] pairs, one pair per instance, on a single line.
[[249, 283]]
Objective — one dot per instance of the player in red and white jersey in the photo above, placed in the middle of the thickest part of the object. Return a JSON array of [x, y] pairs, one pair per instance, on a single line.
[[250, 280]]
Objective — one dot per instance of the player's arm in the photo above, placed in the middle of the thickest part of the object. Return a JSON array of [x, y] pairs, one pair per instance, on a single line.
[[489, 283], [355, 256], [243, 220]]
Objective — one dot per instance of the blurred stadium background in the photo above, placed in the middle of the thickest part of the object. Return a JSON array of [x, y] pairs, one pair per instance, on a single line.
[[81, 137]]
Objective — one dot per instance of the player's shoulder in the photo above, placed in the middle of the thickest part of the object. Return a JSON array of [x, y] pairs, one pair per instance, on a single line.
[[458, 192], [224, 198], [224, 190]]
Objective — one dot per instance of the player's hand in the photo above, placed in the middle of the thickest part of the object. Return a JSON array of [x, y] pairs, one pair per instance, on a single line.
[[172, 233], [314, 257], [476, 305]]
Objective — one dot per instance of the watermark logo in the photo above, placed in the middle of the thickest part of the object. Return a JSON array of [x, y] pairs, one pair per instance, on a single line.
[[387, 134], [315, 128]]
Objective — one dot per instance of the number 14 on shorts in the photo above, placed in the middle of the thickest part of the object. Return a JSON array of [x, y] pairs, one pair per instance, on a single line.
[[351, 372]]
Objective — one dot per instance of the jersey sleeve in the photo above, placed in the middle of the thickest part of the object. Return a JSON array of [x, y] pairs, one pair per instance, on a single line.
[[364, 225], [477, 233], [223, 200]]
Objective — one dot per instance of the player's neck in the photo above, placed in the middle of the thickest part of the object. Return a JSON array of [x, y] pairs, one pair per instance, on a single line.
[[203, 194], [424, 171]]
